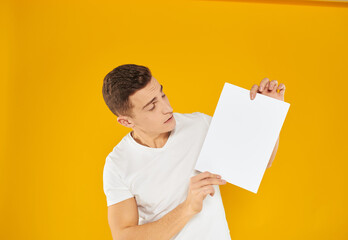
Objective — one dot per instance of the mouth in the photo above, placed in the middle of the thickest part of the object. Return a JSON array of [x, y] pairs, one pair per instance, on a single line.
[[169, 119]]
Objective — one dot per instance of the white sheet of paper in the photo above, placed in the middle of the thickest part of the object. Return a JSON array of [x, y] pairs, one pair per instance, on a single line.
[[241, 136]]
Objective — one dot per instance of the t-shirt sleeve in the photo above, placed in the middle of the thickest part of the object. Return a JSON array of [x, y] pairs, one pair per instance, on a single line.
[[114, 188], [207, 118]]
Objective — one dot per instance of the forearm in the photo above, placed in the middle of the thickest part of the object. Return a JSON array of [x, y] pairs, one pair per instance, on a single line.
[[275, 149], [162, 229]]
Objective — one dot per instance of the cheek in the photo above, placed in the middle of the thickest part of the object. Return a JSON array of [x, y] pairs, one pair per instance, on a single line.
[[154, 119]]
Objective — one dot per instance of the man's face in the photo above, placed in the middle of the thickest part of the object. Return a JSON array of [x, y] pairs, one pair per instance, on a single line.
[[151, 110]]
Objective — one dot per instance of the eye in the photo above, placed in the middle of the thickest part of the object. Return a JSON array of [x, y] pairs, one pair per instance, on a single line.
[[155, 105], [152, 108]]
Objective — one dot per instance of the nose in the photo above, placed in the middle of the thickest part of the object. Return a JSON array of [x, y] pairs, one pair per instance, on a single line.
[[166, 107]]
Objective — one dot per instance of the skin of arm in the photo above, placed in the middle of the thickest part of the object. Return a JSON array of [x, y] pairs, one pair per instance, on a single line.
[[162, 229], [275, 149]]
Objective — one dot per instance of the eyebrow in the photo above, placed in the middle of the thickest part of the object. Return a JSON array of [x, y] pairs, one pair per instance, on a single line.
[[155, 98]]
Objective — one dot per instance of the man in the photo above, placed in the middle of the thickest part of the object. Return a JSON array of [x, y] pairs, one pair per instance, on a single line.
[[151, 187]]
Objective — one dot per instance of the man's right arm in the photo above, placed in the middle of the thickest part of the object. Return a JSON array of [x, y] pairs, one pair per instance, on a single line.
[[123, 221], [123, 216]]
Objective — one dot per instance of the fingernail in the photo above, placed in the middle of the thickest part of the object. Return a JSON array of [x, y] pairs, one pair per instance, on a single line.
[[260, 88], [223, 181]]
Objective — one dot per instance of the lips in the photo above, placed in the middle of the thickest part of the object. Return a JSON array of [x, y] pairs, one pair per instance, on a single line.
[[169, 119]]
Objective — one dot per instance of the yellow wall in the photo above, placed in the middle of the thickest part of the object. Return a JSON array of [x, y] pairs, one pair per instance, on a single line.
[[56, 130]]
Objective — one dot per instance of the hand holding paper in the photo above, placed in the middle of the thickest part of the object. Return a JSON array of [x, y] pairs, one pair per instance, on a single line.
[[268, 88], [243, 133]]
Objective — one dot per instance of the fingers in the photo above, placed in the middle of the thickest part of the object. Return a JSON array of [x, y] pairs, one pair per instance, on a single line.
[[203, 175], [272, 85], [281, 88], [253, 91], [210, 191], [209, 181], [266, 85], [204, 191], [255, 88], [263, 84]]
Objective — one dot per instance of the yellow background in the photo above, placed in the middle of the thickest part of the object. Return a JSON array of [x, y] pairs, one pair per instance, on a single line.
[[56, 130]]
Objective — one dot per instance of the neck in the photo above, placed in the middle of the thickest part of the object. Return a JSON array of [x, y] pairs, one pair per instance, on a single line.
[[152, 141]]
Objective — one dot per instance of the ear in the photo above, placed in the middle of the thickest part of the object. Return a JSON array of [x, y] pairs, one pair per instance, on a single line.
[[125, 121]]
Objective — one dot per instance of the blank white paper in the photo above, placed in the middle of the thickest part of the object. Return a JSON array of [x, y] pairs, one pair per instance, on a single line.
[[241, 136]]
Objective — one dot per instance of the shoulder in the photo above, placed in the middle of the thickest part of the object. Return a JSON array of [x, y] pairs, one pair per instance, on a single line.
[[110, 163], [115, 159], [194, 117]]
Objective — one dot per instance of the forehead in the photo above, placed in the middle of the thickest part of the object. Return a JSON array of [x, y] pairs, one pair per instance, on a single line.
[[146, 94]]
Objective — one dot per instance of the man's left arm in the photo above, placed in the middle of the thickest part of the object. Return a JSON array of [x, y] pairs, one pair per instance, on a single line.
[[275, 149], [269, 88]]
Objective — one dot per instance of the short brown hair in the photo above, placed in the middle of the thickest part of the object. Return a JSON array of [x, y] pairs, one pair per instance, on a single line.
[[122, 82]]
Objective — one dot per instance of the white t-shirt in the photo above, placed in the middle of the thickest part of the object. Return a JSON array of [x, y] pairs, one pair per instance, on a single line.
[[159, 178]]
